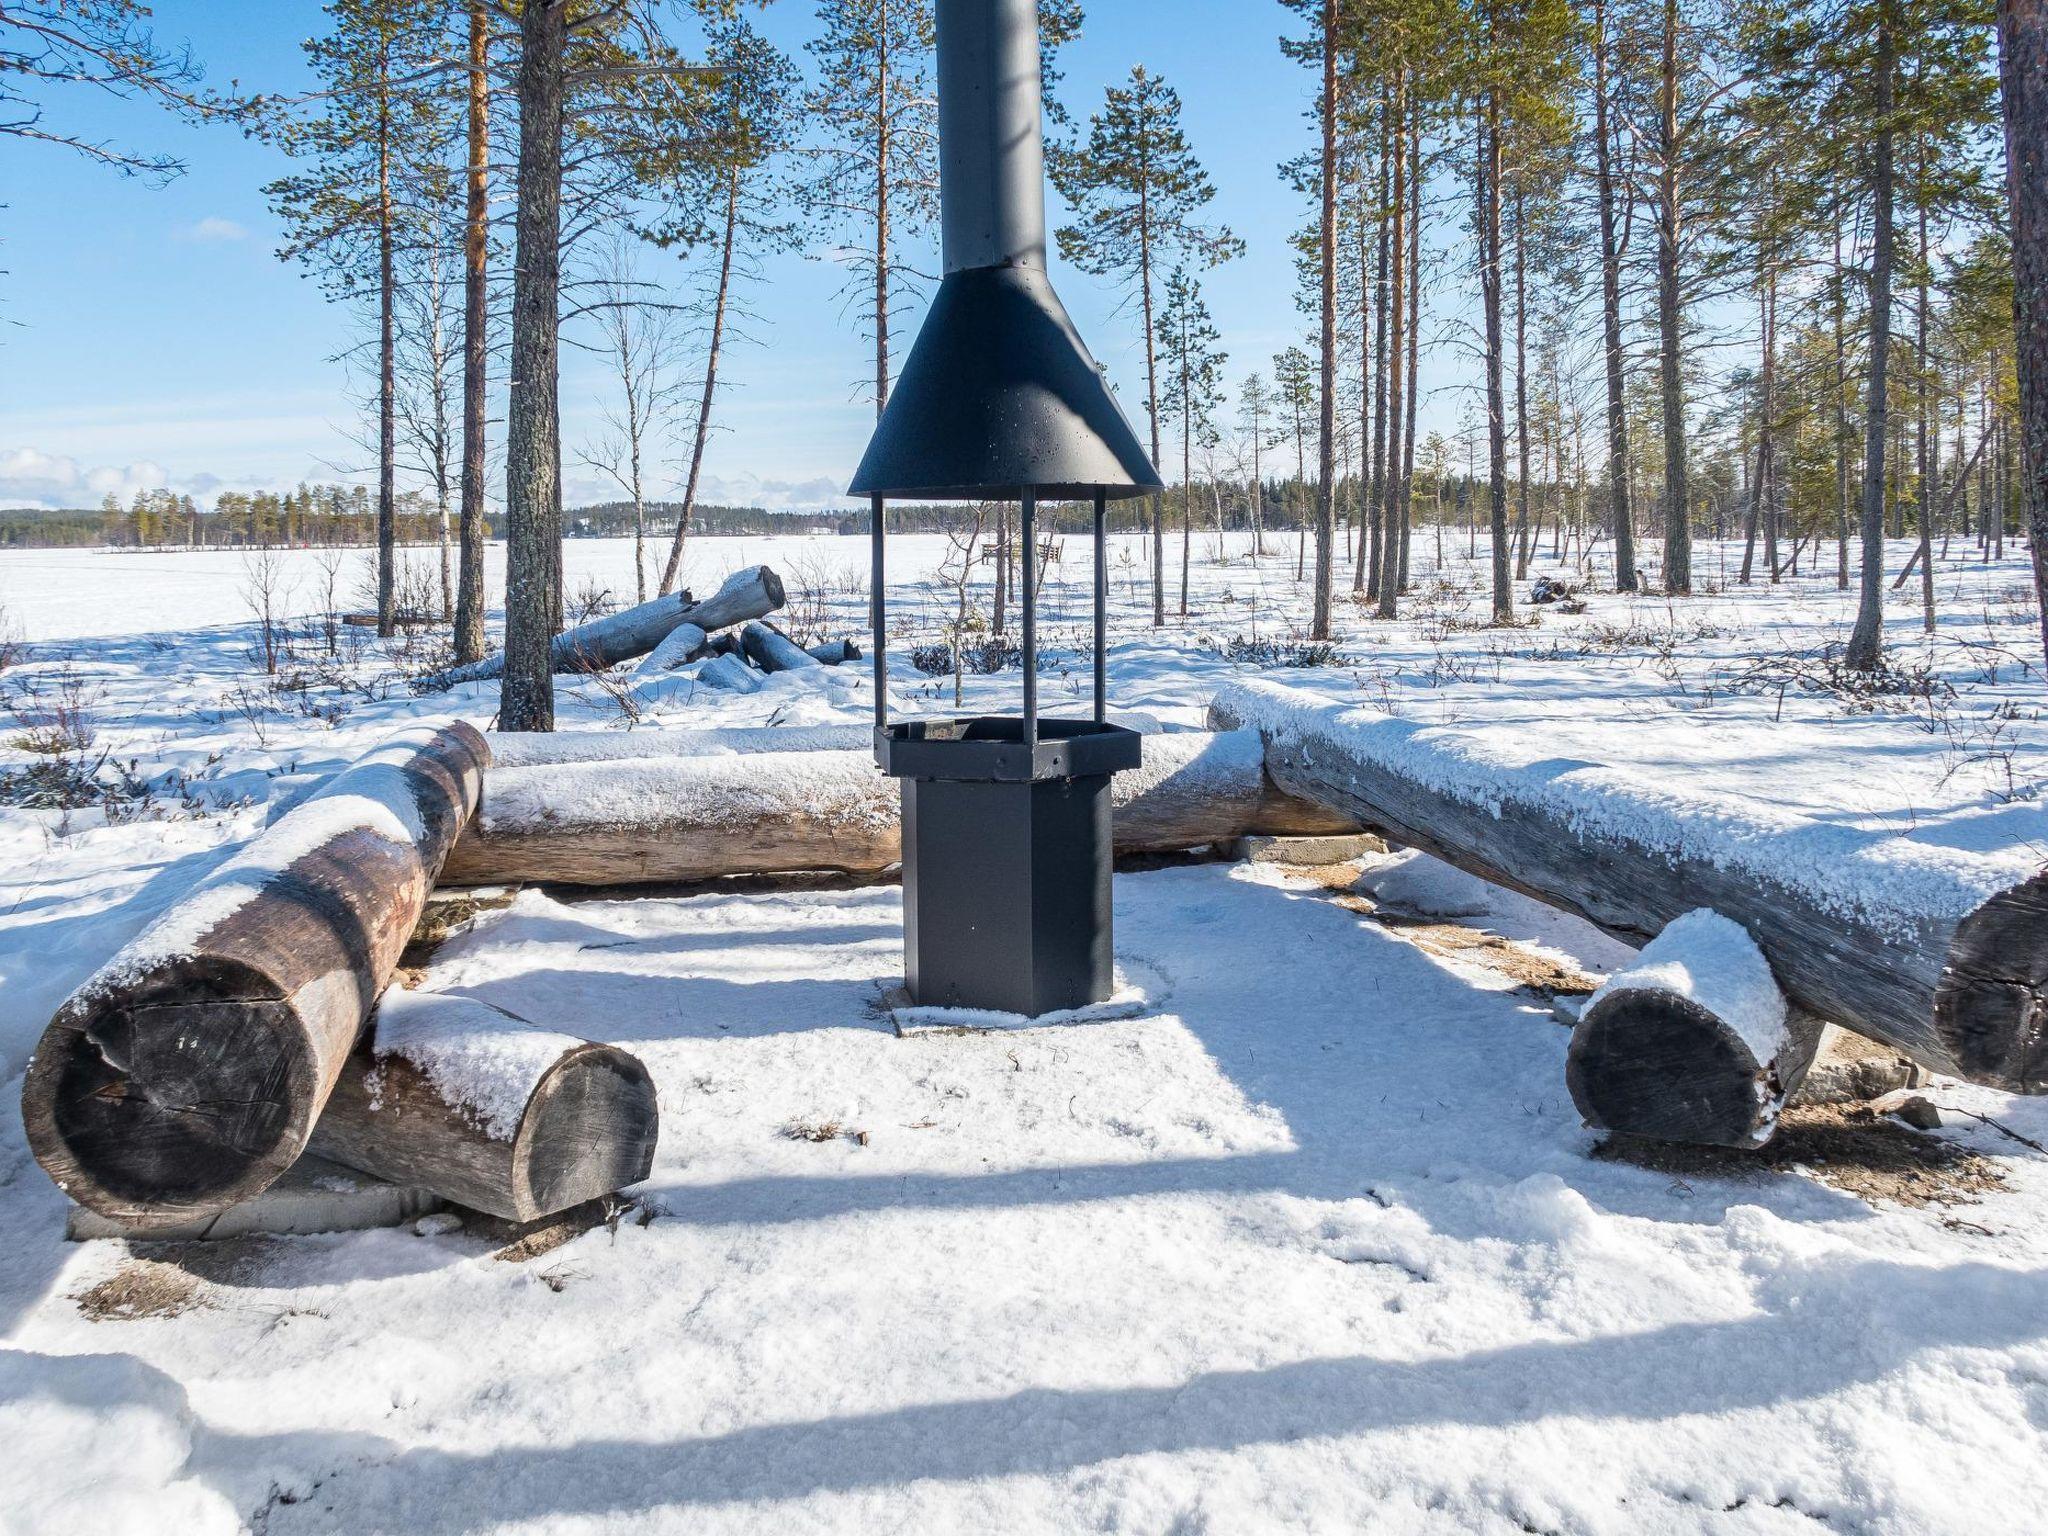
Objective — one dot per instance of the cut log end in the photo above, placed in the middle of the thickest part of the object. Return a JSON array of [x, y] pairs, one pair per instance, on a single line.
[[151, 1109], [1991, 1005], [1657, 1065], [590, 1131]]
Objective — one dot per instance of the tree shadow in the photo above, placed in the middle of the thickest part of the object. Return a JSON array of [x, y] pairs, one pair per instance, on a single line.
[[1661, 1374]]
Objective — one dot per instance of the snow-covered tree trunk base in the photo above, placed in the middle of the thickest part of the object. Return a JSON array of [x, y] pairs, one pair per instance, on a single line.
[[1692, 1043], [187, 1072], [449, 1094]]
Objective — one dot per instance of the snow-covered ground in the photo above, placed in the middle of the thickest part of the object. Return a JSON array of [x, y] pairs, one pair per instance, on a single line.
[[1317, 1243]]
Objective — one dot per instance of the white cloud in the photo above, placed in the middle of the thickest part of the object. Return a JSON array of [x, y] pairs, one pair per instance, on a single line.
[[30, 477], [213, 230]]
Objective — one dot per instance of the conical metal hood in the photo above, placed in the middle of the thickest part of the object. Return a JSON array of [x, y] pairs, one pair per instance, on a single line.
[[999, 394]]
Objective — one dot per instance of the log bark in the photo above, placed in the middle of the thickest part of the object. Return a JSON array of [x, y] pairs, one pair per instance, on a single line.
[[836, 653], [1693, 1043], [772, 651], [674, 818], [451, 1095], [187, 1072], [1944, 958], [618, 637]]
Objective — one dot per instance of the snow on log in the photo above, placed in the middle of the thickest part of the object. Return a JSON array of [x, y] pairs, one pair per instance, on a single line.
[[685, 642], [186, 1073], [728, 671], [617, 637], [449, 1094], [1938, 951], [772, 651], [836, 653], [681, 818], [525, 749], [1692, 1042]]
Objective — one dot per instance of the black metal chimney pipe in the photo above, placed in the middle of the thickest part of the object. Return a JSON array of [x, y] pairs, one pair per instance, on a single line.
[[991, 139]]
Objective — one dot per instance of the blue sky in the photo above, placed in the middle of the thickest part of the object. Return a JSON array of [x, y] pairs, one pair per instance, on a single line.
[[150, 335]]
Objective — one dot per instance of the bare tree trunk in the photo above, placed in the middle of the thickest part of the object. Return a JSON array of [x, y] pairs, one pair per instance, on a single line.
[[1397, 308], [1414, 326], [2024, 70], [1326, 504], [1610, 317], [1839, 306], [533, 465], [387, 365], [469, 587], [1866, 641], [1488, 179], [1365, 574], [1677, 529], [1928, 445], [1377, 491], [1521, 383]]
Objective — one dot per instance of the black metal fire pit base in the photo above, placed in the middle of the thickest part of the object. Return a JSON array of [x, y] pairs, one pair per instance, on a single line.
[[1006, 860]]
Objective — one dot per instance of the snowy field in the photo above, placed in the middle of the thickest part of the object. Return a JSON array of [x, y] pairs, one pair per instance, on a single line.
[[1316, 1244]]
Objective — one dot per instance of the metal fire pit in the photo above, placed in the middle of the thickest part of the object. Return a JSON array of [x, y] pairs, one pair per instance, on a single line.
[[1006, 860], [1006, 821]]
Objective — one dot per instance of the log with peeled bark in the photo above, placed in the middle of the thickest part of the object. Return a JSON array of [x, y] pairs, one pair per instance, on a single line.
[[729, 672], [617, 637], [1691, 1042], [447, 1093], [1940, 952], [682, 644], [187, 1072], [772, 651], [836, 653], [680, 818]]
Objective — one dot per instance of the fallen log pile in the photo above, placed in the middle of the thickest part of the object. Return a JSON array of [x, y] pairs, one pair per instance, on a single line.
[[188, 1071], [1939, 953], [192, 1070], [679, 817], [749, 594]]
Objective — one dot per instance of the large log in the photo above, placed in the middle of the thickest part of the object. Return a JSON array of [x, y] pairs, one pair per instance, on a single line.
[[680, 818], [747, 594], [187, 1072], [449, 1094], [1939, 952], [772, 651], [1692, 1042]]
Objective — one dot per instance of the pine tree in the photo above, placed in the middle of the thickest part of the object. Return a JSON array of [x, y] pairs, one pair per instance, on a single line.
[[726, 196], [344, 213], [877, 177], [1194, 364], [1138, 192]]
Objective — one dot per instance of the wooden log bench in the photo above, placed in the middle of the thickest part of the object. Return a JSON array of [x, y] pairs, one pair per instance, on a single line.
[[689, 815], [1938, 953]]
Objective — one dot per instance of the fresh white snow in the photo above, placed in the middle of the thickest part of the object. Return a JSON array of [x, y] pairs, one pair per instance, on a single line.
[[1313, 1243], [1711, 960]]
